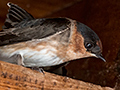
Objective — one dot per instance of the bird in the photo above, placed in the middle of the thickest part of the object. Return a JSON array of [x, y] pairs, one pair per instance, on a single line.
[[45, 42]]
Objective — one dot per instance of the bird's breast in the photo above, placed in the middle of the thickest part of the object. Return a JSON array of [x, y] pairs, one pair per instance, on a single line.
[[34, 54], [44, 57]]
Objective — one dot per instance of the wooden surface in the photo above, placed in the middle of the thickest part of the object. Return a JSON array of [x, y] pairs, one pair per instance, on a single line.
[[16, 77], [102, 16]]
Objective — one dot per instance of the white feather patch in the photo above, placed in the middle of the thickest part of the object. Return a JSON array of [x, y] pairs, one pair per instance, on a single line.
[[32, 58]]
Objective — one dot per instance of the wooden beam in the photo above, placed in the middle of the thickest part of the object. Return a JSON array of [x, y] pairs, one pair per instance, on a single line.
[[16, 77]]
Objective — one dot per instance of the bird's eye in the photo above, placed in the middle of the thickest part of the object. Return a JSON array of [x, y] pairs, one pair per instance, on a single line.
[[89, 45]]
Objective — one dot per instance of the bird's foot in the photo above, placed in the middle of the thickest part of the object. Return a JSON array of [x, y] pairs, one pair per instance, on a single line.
[[38, 69]]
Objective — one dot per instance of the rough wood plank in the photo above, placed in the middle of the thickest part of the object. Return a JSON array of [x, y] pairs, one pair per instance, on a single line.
[[16, 77]]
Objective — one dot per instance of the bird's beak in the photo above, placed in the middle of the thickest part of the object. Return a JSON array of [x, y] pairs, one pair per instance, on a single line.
[[101, 57]]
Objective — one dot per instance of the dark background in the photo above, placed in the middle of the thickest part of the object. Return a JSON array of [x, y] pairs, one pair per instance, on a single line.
[[102, 16]]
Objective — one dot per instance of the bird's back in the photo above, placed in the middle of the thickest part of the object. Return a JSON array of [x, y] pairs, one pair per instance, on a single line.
[[21, 26]]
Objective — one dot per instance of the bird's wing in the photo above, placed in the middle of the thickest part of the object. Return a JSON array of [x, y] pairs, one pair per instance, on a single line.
[[15, 15], [24, 27]]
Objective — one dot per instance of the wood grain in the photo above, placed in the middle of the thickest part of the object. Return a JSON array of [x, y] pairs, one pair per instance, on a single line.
[[16, 77]]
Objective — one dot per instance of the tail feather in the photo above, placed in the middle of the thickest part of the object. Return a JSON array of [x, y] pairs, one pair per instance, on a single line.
[[15, 15]]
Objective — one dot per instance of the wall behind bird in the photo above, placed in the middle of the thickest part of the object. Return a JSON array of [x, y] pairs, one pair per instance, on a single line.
[[101, 16]]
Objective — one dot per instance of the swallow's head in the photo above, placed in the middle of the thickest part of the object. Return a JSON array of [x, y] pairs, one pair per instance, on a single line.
[[91, 44]]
